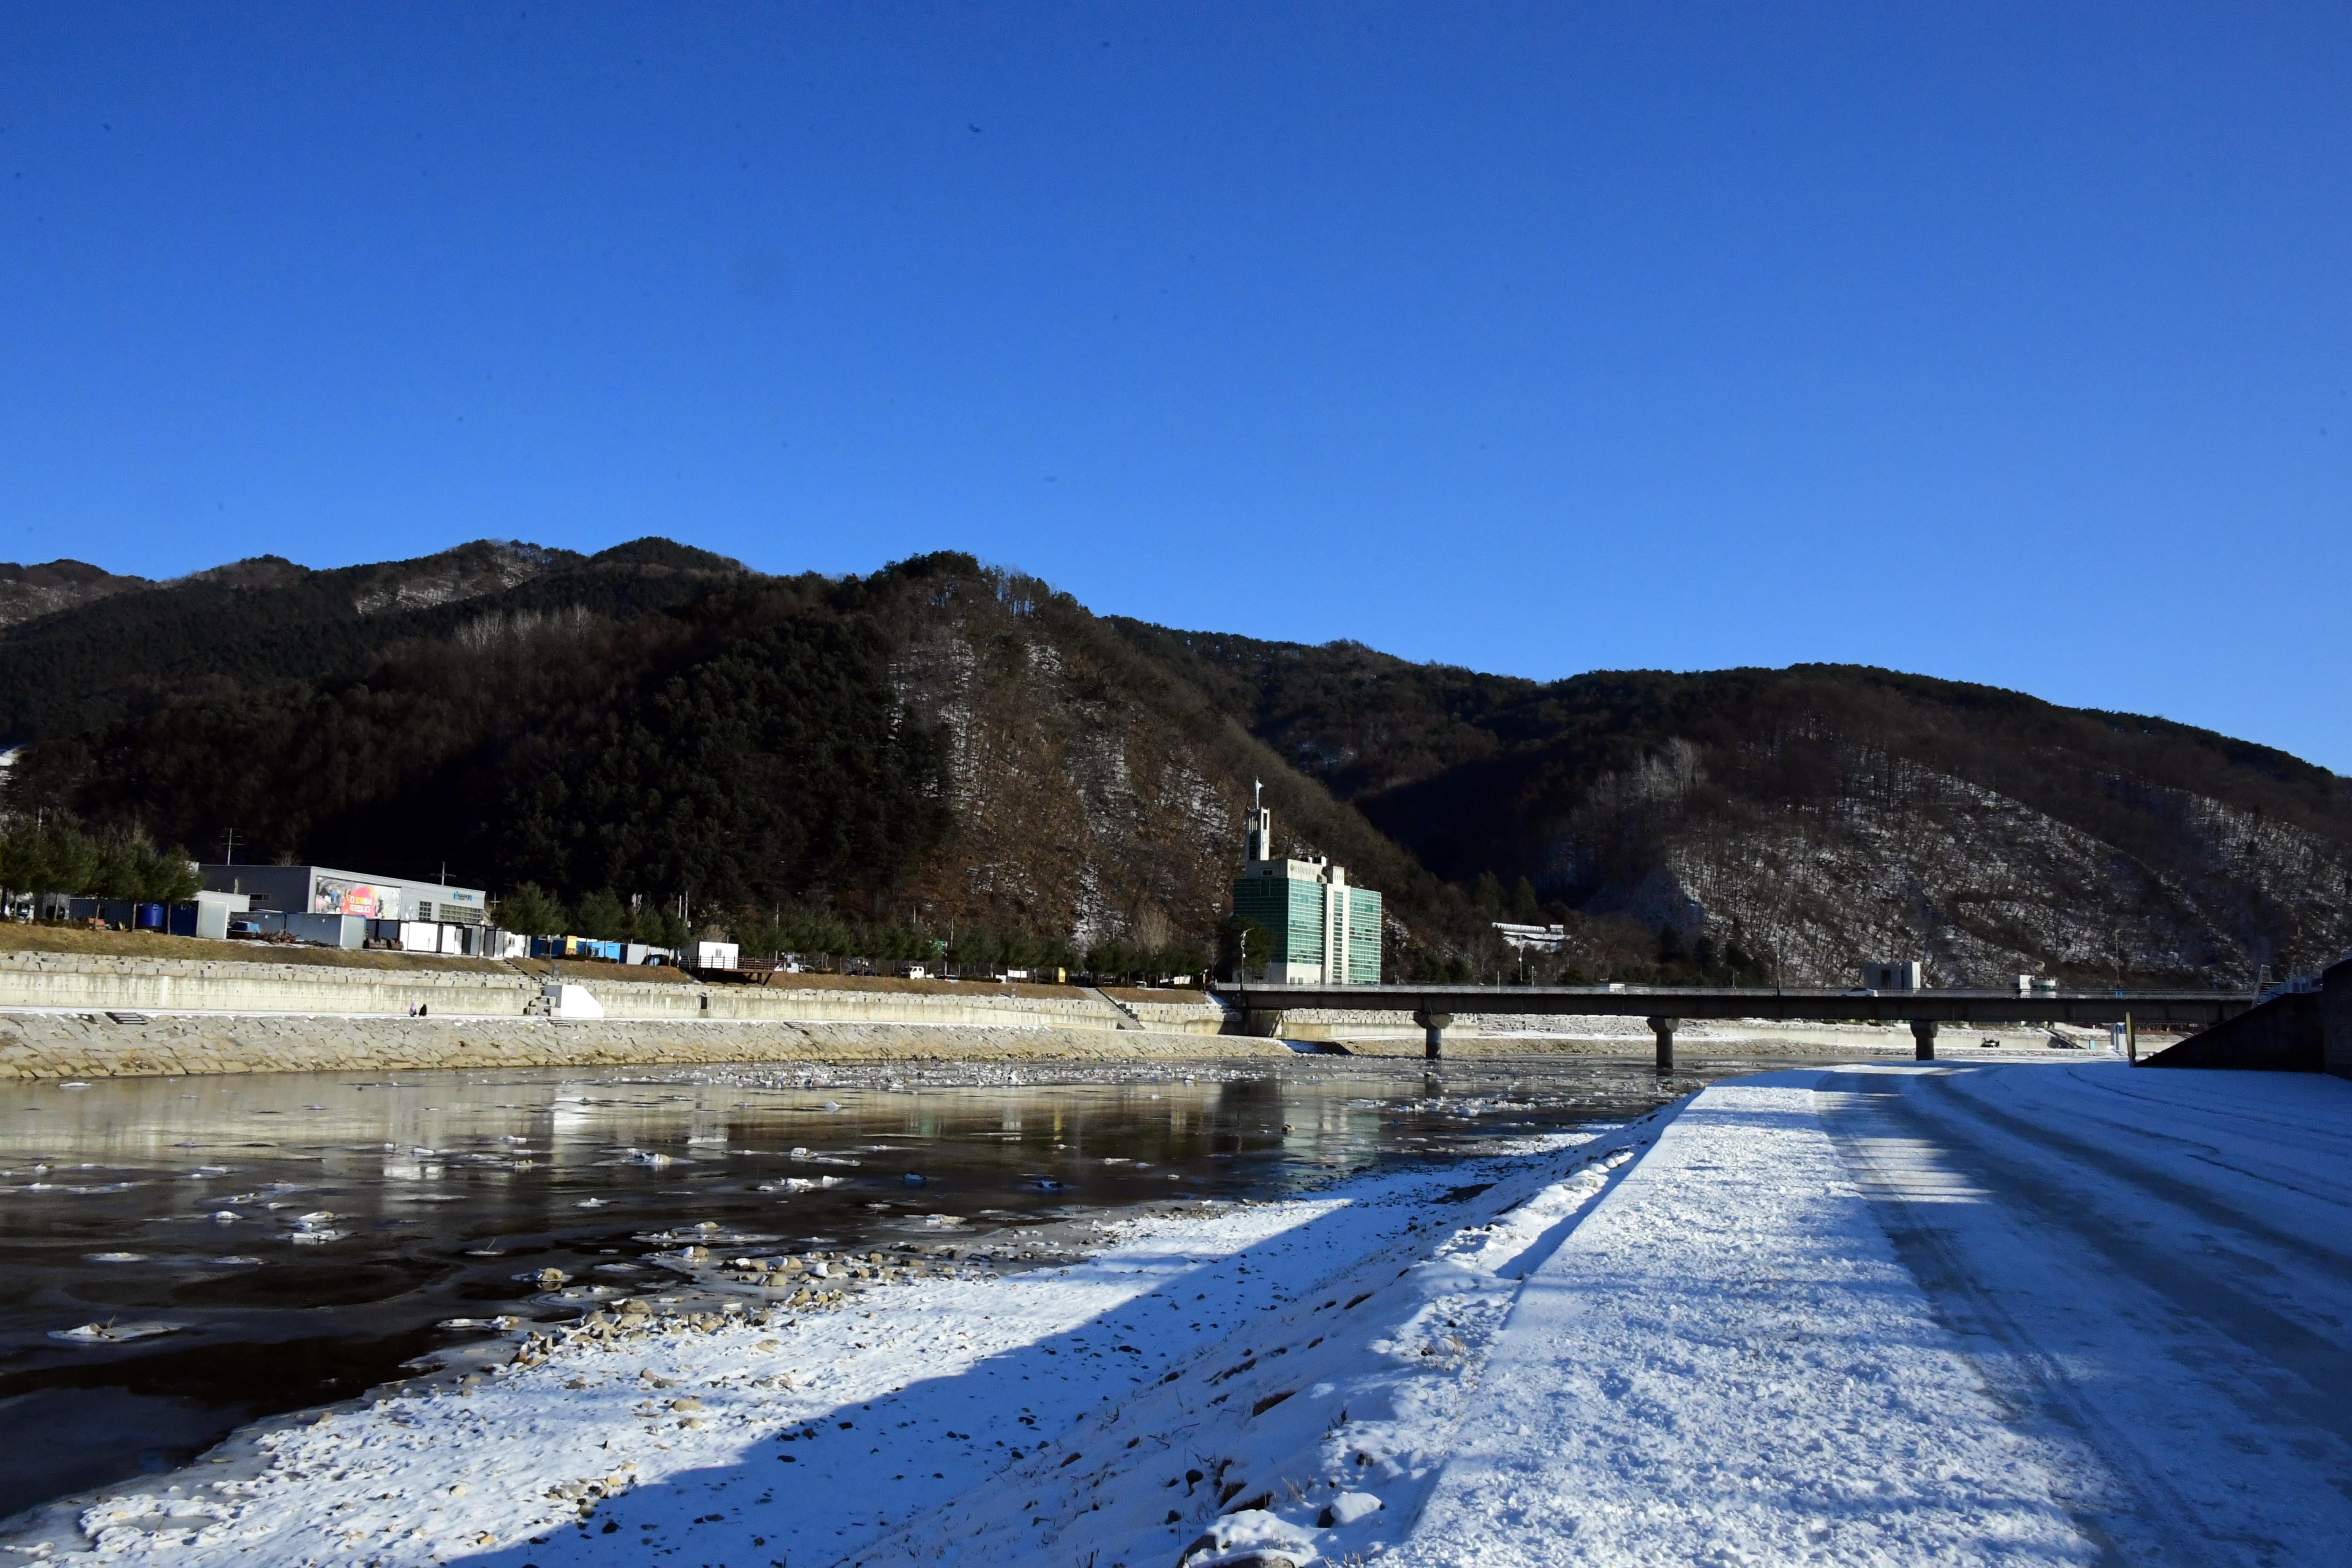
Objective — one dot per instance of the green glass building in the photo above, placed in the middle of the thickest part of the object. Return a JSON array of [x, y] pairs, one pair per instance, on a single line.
[[1323, 931]]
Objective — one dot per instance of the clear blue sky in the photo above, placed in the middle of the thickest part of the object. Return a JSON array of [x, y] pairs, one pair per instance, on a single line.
[[2006, 343]]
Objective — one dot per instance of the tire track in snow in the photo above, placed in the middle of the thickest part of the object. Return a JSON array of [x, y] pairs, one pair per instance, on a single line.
[[2143, 1319]]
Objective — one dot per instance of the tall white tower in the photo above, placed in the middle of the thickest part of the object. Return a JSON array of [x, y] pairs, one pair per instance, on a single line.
[[1259, 836]]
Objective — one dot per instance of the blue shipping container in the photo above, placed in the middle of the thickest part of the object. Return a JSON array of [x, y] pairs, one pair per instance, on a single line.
[[574, 947]]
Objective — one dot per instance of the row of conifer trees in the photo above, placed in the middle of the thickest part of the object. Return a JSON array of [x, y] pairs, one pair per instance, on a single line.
[[52, 853]]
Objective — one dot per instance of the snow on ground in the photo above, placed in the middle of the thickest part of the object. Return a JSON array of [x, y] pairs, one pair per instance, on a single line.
[[1963, 1312], [1729, 1362], [1945, 1314], [1047, 1409]]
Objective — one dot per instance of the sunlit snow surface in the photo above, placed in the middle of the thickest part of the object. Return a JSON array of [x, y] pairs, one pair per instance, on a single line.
[[1952, 1314]]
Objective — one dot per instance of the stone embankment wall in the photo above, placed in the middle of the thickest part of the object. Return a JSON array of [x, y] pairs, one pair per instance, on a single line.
[[77, 1015], [78, 982], [74, 1046]]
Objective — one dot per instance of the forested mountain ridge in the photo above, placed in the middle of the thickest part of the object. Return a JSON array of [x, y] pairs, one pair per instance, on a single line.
[[937, 746], [30, 592], [945, 748], [1821, 812], [139, 646]]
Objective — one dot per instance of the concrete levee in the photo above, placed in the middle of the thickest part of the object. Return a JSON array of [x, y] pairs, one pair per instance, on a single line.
[[85, 981], [2282, 1035], [86, 1016], [81, 982], [72, 1046], [2335, 1020], [1199, 1015], [1365, 1032]]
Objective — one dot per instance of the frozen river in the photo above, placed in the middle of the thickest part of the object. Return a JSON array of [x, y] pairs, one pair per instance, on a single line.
[[185, 1255]]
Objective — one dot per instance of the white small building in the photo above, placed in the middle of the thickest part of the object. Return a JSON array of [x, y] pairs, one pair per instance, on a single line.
[[1532, 938], [1899, 975]]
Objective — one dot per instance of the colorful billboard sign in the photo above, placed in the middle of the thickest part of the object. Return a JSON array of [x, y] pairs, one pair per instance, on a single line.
[[334, 896]]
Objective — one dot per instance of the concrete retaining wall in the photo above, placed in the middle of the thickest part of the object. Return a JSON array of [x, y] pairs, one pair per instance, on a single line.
[[196, 1015], [2282, 1035], [2335, 1020], [68, 1046], [86, 982], [1200, 1015]]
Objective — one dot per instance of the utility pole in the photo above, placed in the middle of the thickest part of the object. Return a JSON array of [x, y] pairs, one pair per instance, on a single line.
[[228, 850]]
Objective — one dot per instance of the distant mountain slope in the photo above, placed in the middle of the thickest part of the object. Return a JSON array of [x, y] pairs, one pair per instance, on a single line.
[[108, 657], [27, 592], [959, 748], [937, 744], [1820, 813]]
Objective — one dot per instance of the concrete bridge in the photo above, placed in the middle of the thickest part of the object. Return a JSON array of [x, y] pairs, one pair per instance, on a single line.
[[1436, 1006]]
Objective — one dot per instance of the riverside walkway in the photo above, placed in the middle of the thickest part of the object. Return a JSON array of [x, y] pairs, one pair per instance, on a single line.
[[1938, 1314]]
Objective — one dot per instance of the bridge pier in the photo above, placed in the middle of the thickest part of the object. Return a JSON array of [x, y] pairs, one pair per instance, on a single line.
[[1433, 1037], [1664, 1029], [1923, 1039]]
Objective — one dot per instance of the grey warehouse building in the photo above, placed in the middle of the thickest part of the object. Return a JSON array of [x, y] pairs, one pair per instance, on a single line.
[[325, 903]]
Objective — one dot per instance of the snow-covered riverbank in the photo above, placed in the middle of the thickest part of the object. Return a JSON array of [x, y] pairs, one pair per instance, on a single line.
[[1879, 1315], [1950, 1314], [1045, 1409]]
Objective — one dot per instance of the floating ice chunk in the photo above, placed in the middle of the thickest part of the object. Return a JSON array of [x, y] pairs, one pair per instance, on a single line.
[[114, 1258], [314, 1227], [113, 1333]]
